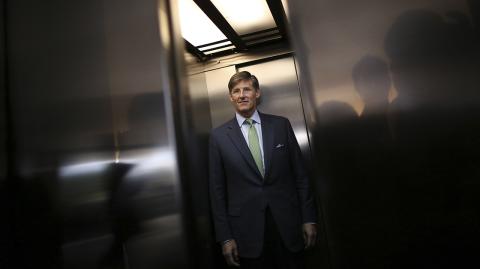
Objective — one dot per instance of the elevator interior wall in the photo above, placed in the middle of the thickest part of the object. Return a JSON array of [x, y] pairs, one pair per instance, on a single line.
[[96, 168], [394, 105]]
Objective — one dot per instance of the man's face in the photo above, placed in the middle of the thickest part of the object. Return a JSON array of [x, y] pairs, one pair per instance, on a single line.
[[244, 98]]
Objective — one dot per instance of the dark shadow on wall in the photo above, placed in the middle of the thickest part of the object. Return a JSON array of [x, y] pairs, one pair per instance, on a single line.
[[436, 131], [35, 222], [336, 163], [400, 181], [376, 222]]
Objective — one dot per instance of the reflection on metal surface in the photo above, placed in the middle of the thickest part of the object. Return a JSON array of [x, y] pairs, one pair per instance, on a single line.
[[97, 179], [149, 161], [285, 7], [400, 179], [220, 108], [302, 136], [85, 168]]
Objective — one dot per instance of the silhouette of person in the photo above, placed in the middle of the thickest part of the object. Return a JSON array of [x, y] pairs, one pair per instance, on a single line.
[[372, 82]]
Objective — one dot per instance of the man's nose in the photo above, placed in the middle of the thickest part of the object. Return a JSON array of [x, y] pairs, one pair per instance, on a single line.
[[242, 93]]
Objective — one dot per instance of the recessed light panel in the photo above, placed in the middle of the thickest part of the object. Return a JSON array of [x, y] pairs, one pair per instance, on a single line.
[[196, 27], [246, 16]]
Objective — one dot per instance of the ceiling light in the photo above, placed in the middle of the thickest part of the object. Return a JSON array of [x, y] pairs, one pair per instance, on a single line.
[[196, 27], [246, 16]]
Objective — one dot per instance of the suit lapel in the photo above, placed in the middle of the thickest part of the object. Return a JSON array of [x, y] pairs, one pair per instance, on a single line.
[[267, 136], [235, 134]]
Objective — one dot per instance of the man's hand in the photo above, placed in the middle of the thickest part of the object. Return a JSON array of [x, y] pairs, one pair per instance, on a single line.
[[230, 252], [309, 234]]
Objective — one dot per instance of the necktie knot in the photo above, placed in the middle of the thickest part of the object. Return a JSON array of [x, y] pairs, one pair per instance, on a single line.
[[249, 122]]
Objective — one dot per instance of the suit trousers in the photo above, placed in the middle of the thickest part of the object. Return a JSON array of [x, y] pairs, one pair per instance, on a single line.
[[274, 254]]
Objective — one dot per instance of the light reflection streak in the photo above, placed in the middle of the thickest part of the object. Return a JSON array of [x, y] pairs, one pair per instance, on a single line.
[[144, 162], [161, 159], [83, 168], [302, 137]]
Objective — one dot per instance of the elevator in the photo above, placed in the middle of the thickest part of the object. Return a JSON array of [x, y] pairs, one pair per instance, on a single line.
[[107, 108]]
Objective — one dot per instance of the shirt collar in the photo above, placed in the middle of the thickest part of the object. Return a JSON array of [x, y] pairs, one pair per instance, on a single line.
[[241, 119]]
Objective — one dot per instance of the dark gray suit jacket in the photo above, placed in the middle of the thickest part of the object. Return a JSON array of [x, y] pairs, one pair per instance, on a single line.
[[239, 194]]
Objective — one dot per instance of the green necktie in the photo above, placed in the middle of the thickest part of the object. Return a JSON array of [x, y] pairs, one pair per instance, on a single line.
[[254, 145]]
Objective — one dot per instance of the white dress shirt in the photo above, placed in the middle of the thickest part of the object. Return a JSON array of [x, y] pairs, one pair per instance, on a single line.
[[258, 126]]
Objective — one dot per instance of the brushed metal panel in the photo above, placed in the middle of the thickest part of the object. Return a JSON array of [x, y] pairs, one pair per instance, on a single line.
[[98, 184], [221, 110], [207, 253], [200, 102], [393, 112]]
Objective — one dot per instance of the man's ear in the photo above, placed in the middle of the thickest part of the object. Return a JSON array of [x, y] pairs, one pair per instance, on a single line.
[[257, 93], [230, 96]]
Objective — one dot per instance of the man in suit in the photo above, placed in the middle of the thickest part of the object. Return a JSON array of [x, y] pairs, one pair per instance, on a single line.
[[263, 210]]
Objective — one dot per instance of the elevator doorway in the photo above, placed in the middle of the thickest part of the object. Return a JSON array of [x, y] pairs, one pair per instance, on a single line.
[[211, 107]]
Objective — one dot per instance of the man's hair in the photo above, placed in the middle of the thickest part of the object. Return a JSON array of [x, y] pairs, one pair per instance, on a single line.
[[240, 76]]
